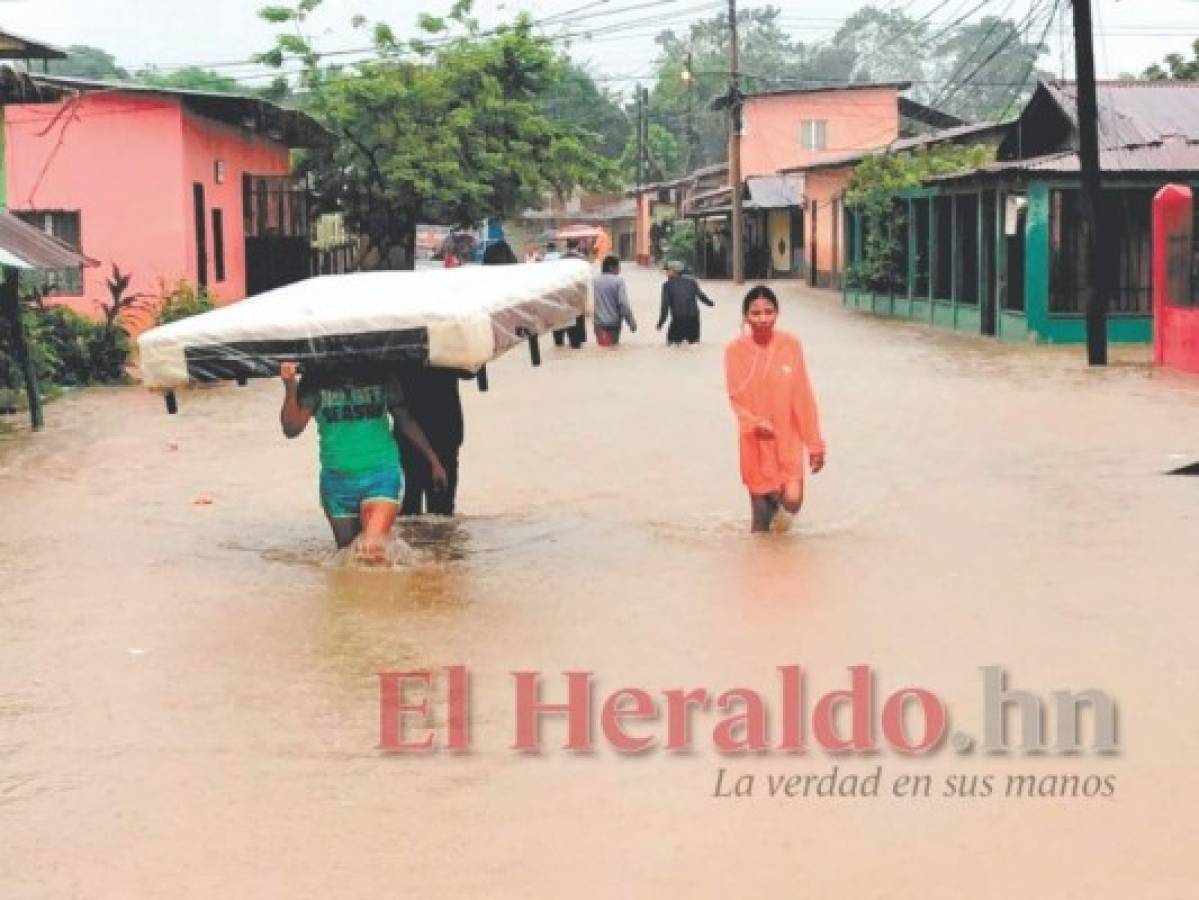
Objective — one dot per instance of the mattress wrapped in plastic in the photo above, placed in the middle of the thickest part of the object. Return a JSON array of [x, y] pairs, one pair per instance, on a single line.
[[450, 318]]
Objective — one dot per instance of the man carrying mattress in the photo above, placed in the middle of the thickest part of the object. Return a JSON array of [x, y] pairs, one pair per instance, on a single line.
[[361, 482]]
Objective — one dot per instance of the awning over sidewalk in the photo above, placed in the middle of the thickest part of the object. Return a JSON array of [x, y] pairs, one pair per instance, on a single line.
[[759, 192]]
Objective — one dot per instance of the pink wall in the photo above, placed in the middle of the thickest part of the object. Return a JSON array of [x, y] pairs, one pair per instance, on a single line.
[[204, 142], [116, 159], [824, 189], [857, 120], [127, 164], [642, 249]]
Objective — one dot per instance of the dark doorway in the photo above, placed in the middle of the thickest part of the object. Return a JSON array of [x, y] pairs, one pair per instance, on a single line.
[[201, 235], [218, 245], [813, 273], [276, 222], [990, 226]]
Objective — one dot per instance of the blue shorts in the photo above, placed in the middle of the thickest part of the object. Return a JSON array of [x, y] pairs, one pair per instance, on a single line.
[[343, 493]]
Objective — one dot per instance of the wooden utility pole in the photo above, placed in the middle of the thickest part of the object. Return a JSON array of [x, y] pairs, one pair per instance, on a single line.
[[646, 156], [1088, 154], [692, 135], [735, 148], [10, 309], [640, 138]]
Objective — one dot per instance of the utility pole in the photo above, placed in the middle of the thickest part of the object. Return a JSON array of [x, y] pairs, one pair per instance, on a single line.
[[692, 135], [10, 309], [646, 156], [735, 147], [640, 138], [1088, 153]]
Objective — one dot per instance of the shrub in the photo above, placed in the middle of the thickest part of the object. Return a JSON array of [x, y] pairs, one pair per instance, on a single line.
[[181, 301], [682, 244]]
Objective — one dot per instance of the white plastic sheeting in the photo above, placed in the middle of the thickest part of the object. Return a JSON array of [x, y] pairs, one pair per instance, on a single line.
[[450, 318]]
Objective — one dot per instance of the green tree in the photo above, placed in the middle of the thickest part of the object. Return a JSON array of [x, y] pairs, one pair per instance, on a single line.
[[84, 61], [574, 98], [1177, 67], [449, 127], [192, 78], [885, 45], [662, 157], [984, 68], [682, 105], [873, 190]]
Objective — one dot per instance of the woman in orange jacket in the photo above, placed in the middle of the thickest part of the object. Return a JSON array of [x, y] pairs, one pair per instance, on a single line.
[[776, 412]]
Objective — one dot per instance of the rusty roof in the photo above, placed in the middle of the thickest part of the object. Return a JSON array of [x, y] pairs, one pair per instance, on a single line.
[[24, 247]]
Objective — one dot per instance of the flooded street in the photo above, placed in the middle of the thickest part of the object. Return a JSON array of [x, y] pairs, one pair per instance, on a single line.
[[189, 692]]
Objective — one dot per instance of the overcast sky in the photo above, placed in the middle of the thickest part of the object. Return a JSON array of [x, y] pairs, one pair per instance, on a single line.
[[173, 33]]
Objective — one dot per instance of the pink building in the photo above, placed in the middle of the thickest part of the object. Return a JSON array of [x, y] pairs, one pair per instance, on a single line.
[[794, 218], [789, 129], [166, 184]]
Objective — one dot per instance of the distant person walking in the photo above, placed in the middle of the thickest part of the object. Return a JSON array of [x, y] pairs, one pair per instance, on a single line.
[[612, 307], [681, 296], [576, 333], [777, 419]]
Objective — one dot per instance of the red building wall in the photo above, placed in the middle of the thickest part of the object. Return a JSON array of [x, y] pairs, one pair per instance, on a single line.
[[127, 163], [1175, 322]]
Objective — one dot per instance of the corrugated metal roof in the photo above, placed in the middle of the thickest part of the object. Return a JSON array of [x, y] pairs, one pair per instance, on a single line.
[[292, 127], [14, 46], [1172, 156], [27, 247], [947, 136], [774, 191], [815, 87], [1136, 112]]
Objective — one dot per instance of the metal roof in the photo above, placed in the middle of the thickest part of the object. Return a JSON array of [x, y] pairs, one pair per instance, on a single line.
[[760, 192], [23, 246], [290, 127], [817, 88], [774, 191], [956, 135], [1171, 156], [1135, 112], [14, 46]]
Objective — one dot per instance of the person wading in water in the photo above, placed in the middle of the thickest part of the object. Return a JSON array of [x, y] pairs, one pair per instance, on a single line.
[[777, 419], [361, 482]]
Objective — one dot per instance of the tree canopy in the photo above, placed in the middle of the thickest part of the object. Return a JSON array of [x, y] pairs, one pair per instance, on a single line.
[[1176, 67], [449, 127]]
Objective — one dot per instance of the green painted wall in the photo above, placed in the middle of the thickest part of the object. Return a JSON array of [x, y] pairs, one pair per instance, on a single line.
[[943, 314], [968, 319], [1120, 330], [1036, 260], [1012, 326]]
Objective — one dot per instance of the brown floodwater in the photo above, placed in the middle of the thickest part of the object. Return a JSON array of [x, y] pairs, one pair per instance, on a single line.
[[189, 695]]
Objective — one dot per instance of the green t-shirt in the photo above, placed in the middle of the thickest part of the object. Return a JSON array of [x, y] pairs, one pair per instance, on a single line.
[[353, 425]]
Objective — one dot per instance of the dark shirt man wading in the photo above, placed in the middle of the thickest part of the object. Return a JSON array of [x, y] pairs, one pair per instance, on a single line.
[[681, 296]]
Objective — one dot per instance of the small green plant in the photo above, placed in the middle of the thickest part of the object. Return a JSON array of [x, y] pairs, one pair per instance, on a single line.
[[682, 243], [180, 301], [109, 348], [872, 192]]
